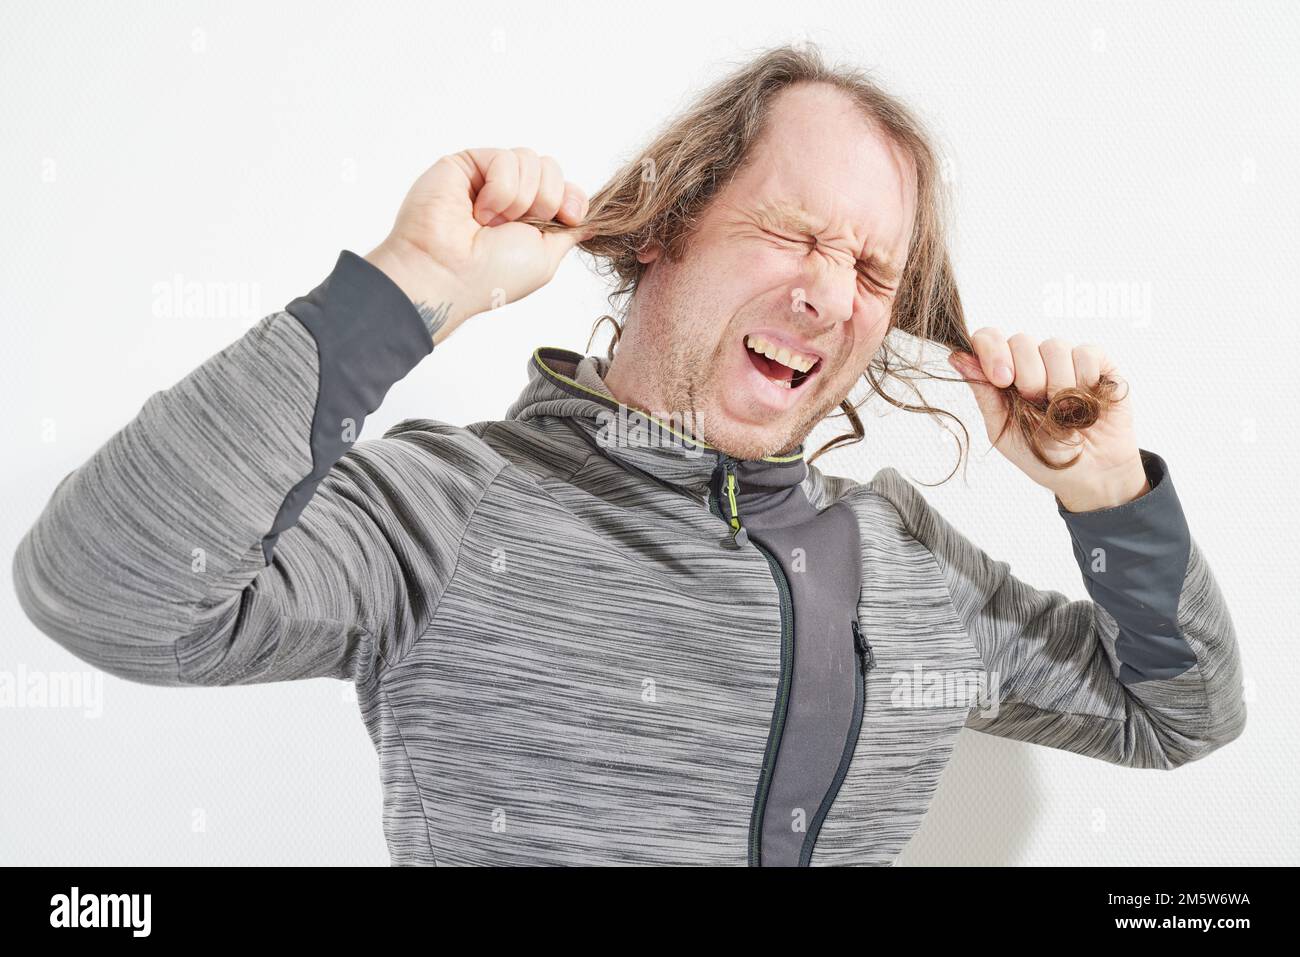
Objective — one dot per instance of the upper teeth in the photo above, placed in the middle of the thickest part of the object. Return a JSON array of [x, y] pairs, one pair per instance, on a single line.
[[795, 360]]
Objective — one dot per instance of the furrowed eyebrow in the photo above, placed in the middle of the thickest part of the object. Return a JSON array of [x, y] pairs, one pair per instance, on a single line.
[[795, 219], [887, 271], [789, 217]]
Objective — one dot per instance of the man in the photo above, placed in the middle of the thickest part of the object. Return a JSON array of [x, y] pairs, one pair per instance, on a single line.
[[630, 622]]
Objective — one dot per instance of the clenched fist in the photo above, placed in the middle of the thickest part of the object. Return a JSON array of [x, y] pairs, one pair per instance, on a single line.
[[457, 247], [1106, 467]]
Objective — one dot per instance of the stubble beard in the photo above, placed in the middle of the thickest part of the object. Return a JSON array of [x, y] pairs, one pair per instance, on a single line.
[[694, 388]]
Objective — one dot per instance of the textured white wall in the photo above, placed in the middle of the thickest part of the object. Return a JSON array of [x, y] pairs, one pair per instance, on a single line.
[[241, 146]]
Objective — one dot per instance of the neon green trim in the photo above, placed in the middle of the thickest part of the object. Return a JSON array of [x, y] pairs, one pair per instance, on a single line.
[[541, 363], [731, 499]]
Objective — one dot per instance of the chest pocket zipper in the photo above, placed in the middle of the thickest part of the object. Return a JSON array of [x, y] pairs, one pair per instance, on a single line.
[[866, 654]]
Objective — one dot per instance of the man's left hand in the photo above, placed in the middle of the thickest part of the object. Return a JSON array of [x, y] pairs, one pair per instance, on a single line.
[[1109, 469]]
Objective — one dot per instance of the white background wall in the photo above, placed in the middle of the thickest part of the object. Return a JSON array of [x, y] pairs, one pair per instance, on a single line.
[[241, 146]]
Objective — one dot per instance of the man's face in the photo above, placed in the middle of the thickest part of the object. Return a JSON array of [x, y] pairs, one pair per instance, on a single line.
[[800, 252]]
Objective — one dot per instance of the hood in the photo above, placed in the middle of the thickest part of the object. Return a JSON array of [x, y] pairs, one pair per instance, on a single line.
[[569, 385]]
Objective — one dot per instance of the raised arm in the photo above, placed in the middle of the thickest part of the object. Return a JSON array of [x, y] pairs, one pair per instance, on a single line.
[[232, 531], [1145, 674]]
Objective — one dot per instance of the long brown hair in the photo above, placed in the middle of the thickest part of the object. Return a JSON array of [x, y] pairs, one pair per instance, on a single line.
[[658, 197]]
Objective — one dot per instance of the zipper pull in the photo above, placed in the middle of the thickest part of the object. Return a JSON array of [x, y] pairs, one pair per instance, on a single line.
[[866, 655], [730, 487]]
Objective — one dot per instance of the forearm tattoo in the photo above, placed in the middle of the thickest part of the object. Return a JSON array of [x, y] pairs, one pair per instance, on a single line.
[[434, 316]]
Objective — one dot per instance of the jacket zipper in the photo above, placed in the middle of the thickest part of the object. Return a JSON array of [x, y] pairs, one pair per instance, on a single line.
[[776, 728], [866, 661]]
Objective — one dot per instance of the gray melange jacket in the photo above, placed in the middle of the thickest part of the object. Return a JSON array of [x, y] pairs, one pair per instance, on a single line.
[[577, 641]]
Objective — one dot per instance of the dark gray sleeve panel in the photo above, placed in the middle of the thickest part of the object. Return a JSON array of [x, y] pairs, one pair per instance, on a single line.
[[1134, 559], [368, 336]]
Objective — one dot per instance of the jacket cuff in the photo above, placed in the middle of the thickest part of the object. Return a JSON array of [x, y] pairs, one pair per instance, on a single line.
[[1134, 560]]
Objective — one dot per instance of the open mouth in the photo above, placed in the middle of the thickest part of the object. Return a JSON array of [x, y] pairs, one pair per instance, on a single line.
[[785, 367]]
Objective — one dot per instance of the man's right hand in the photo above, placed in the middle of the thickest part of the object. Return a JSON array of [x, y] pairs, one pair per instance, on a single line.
[[457, 248]]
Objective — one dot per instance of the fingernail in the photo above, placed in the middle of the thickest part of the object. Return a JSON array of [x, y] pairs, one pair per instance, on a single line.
[[496, 220], [1003, 373], [572, 207]]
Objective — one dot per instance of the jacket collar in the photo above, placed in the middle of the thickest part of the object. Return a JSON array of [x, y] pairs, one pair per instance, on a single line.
[[569, 385]]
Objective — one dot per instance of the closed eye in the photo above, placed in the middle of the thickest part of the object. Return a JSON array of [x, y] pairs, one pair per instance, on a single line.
[[881, 288], [802, 241], [877, 286]]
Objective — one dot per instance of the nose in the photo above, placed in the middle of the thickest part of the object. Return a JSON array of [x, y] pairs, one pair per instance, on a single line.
[[826, 291]]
